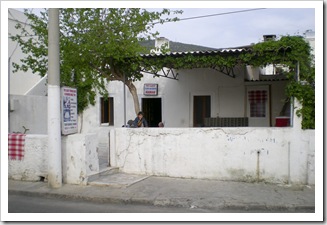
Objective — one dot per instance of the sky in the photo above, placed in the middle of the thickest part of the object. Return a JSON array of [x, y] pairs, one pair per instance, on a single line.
[[235, 29]]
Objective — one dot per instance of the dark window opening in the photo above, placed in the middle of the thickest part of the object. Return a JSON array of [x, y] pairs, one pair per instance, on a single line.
[[107, 111], [201, 110]]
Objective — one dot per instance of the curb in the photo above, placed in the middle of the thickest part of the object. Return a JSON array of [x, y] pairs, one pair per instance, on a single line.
[[172, 202]]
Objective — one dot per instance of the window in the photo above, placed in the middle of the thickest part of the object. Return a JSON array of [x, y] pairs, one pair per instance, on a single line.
[[107, 110], [257, 100]]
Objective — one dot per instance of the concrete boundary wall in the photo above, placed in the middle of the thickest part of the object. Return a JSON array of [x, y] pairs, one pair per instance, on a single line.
[[34, 165], [277, 155], [79, 159]]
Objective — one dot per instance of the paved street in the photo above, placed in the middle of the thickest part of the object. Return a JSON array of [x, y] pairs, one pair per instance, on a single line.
[[34, 204], [119, 192], [29, 204]]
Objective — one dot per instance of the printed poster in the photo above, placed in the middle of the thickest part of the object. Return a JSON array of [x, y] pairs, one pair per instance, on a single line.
[[69, 117]]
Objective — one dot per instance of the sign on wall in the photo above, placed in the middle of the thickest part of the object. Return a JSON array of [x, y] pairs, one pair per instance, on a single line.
[[150, 89], [69, 117]]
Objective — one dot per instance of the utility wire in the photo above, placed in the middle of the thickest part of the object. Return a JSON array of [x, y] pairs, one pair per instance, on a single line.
[[198, 17], [217, 14]]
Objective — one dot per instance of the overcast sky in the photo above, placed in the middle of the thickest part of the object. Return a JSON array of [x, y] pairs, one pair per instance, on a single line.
[[232, 30], [235, 29]]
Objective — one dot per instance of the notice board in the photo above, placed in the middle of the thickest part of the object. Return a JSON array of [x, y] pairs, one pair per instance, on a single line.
[[69, 116]]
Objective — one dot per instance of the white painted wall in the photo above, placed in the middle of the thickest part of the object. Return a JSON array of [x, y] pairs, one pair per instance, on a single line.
[[79, 159], [40, 88], [29, 111], [35, 162], [216, 153]]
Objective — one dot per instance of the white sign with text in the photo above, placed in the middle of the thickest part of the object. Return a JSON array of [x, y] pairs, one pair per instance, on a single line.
[[150, 89], [69, 115]]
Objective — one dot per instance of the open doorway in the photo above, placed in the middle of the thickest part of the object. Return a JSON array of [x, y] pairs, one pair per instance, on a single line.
[[201, 109], [151, 108]]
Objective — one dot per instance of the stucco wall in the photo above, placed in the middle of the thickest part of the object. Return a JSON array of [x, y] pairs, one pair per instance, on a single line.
[[79, 159], [28, 111], [285, 154], [35, 162]]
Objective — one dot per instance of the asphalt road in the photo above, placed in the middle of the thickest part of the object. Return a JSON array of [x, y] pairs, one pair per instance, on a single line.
[[32, 204], [29, 204]]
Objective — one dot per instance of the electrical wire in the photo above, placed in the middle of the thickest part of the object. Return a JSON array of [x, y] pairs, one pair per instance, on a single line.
[[210, 15]]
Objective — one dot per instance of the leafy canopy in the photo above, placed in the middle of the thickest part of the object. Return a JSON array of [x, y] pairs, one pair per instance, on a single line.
[[96, 45]]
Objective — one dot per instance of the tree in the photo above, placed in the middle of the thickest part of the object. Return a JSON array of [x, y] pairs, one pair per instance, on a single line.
[[96, 46]]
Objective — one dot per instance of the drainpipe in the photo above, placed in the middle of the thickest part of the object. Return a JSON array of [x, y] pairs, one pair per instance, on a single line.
[[54, 132]]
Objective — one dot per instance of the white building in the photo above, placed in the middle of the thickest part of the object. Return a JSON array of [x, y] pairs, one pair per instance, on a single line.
[[184, 98]]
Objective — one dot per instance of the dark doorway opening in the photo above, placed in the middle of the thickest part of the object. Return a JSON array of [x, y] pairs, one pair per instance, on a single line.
[[201, 110], [151, 108]]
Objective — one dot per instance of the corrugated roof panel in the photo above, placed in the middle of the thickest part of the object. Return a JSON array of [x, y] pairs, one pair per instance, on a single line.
[[208, 52]]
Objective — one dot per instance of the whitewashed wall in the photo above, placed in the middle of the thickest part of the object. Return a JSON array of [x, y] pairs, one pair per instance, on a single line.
[[285, 154], [79, 159], [28, 111], [35, 162]]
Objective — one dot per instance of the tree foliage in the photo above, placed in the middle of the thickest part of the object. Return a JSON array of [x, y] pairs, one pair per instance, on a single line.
[[96, 45]]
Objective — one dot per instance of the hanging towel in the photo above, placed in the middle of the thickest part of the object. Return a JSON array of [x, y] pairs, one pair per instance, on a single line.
[[16, 143]]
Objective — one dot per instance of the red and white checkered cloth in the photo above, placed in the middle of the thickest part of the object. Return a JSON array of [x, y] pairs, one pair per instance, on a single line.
[[257, 96], [16, 143]]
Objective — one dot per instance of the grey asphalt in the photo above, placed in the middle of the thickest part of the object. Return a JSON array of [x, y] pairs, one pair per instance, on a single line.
[[177, 192]]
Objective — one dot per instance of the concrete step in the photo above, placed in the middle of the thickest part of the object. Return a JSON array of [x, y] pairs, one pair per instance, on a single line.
[[116, 179], [103, 171]]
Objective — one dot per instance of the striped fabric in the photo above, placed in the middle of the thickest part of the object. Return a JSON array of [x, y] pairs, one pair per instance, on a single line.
[[16, 143]]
